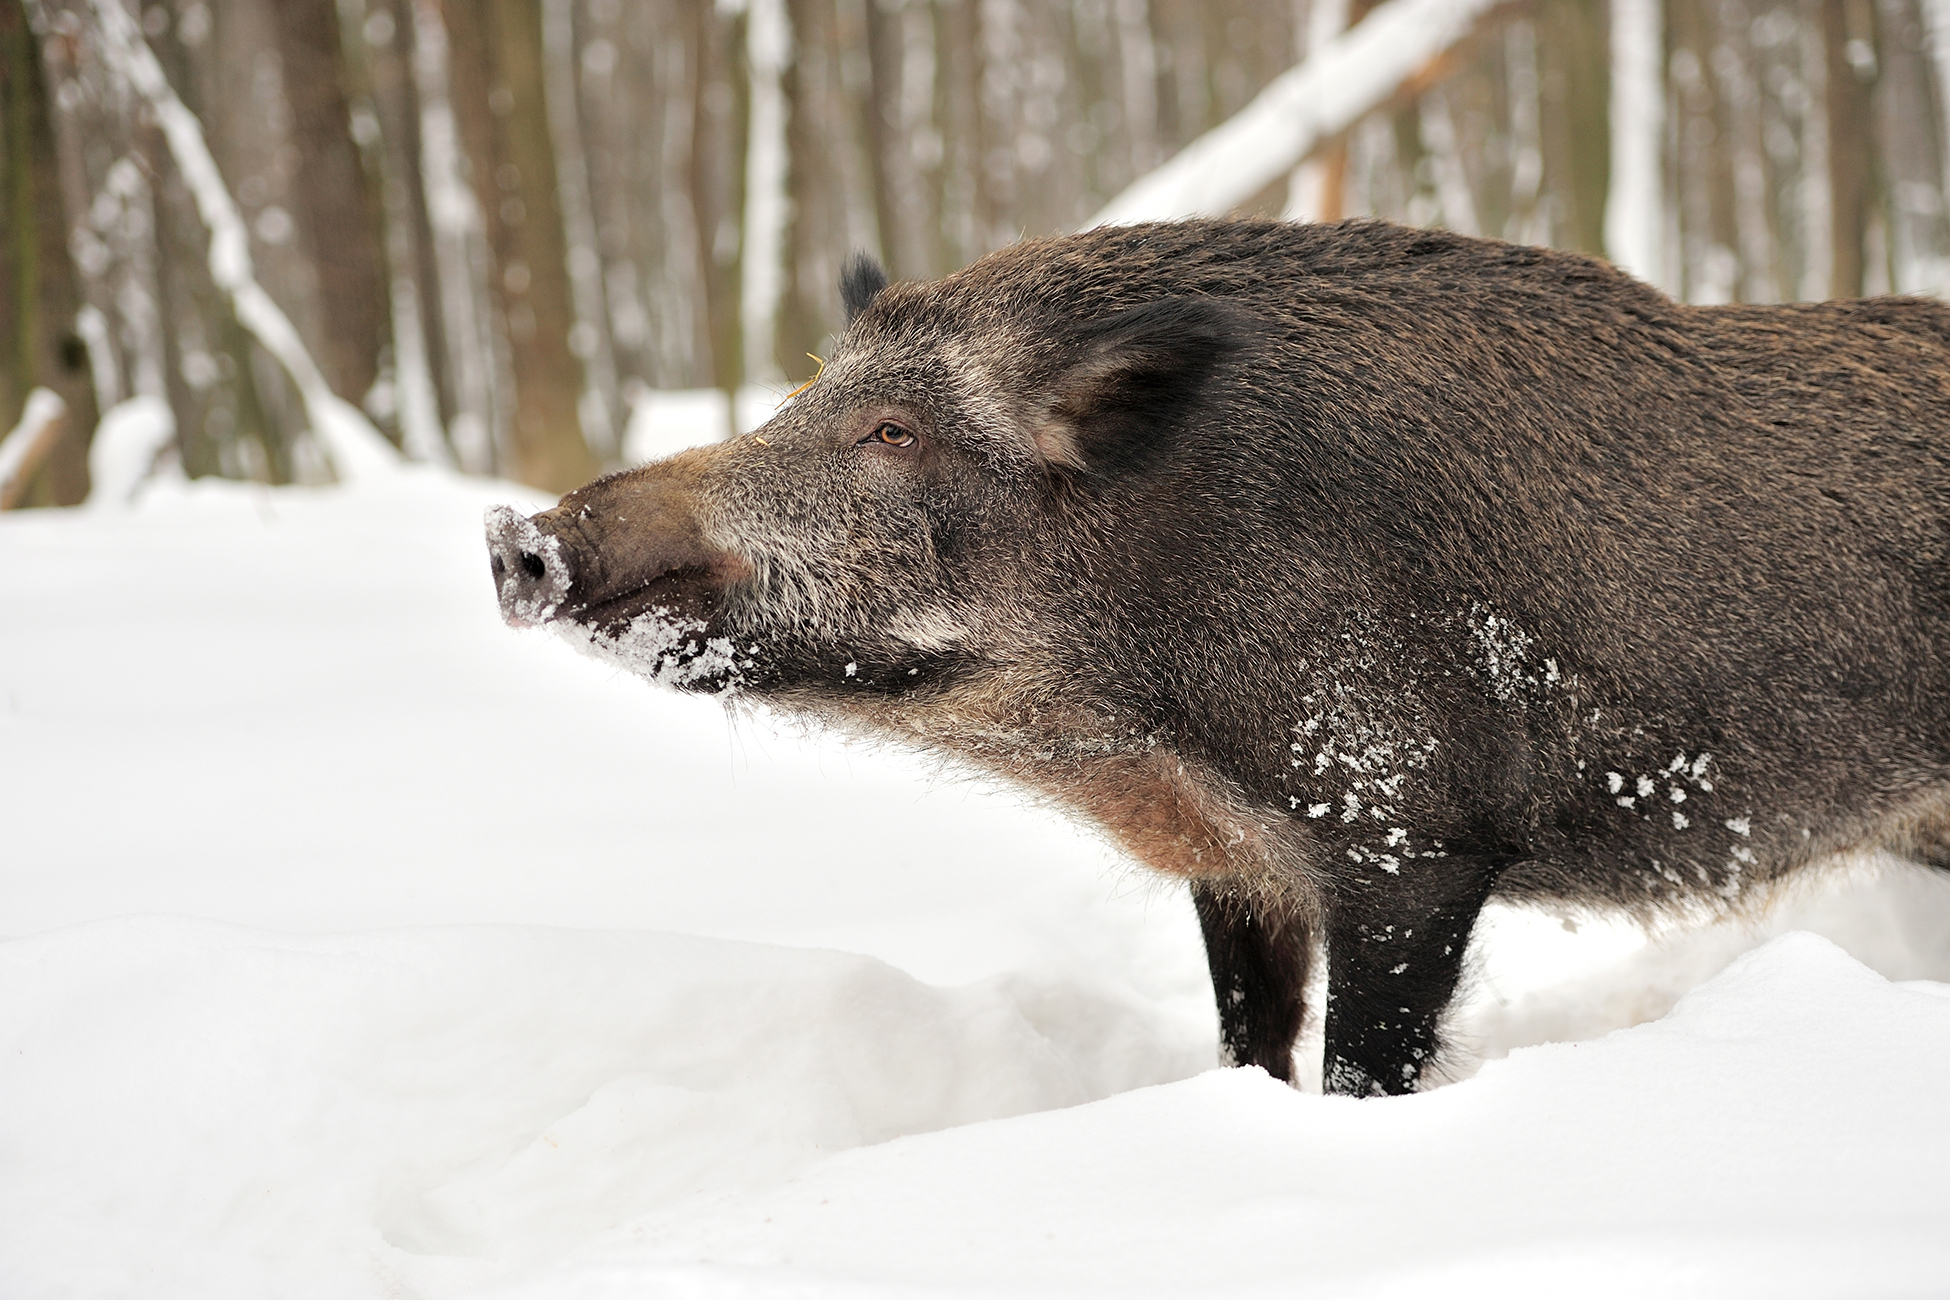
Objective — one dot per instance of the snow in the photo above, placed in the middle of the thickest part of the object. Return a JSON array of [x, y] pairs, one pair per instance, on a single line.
[[1272, 1193], [363, 947], [614, 1075], [663, 646], [1300, 108], [129, 438]]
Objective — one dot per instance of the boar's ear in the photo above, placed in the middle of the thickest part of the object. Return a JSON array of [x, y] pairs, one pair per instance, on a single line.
[[860, 279], [1132, 380]]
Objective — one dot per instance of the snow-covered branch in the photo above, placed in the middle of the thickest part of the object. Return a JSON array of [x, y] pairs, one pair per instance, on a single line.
[[1325, 95], [355, 448]]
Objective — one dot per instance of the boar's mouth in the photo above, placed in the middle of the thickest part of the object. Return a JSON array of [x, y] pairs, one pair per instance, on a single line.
[[641, 597], [687, 596]]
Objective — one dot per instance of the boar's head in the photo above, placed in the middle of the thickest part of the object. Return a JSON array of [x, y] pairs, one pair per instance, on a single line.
[[936, 509]]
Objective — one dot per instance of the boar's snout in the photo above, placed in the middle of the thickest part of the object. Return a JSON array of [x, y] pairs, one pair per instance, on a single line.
[[608, 556], [532, 569]]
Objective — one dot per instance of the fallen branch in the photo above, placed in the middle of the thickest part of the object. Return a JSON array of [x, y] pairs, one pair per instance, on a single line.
[[26, 449], [1352, 74], [354, 447]]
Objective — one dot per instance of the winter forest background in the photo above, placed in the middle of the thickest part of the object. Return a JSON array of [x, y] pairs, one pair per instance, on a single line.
[[355, 946], [500, 228]]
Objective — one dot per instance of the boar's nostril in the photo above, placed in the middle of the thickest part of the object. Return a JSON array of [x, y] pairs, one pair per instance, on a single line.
[[532, 565]]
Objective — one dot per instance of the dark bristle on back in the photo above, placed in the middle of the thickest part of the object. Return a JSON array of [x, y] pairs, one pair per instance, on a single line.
[[860, 279]]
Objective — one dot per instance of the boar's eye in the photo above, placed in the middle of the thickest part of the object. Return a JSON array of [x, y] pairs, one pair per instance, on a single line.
[[889, 434]]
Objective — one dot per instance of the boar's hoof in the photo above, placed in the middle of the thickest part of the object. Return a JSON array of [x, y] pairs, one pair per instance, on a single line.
[[531, 571]]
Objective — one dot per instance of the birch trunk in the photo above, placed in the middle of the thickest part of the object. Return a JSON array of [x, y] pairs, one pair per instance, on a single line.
[[1635, 208]]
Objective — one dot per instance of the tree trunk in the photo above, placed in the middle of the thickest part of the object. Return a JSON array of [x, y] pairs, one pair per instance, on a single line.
[[817, 131], [589, 336], [717, 161], [1319, 188], [908, 146], [1575, 81], [501, 105], [39, 295], [1906, 125], [1848, 38], [338, 209], [375, 54]]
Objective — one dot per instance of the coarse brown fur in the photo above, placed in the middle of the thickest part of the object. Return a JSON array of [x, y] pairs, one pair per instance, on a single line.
[[1355, 573]]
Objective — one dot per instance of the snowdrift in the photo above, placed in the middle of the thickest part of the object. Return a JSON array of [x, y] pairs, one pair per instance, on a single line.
[[363, 948]]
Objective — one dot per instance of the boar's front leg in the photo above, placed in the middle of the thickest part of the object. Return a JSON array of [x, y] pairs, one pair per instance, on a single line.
[[1258, 953], [1394, 952]]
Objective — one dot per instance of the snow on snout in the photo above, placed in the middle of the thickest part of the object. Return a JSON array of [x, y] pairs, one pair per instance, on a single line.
[[527, 598]]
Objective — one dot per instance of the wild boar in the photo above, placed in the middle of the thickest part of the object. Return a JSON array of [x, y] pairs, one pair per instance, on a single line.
[[1355, 574]]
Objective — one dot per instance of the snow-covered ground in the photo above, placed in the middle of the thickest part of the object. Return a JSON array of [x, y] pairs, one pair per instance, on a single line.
[[361, 947]]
